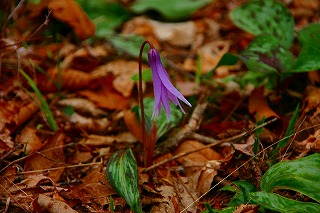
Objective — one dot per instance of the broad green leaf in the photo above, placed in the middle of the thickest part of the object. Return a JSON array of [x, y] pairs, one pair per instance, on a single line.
[[266, 17], [161, 121], [171, 10], [309, 57], [265, 54], [106, 16], [278, 203], [227, 59], [242, 189], [122, 174], [301, 175]]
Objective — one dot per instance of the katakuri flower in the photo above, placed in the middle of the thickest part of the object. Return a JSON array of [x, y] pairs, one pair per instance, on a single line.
[[164, 91]]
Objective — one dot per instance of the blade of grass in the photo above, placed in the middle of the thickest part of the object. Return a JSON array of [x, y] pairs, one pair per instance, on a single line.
[[45, 109]]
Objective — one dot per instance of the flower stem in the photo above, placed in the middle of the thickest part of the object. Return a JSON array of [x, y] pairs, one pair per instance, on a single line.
[[143, 121]]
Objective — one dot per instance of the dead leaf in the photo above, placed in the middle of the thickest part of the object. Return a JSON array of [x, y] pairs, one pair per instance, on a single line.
[[201, 166], [70, 12], [133, 124], [83, 106], [30, 139], [71, 79], [311, 101], [246, 148], [122, 71], [94, 191], [312, 143], [50, 205], [105, 96], [259, 106], [247, 208], [51, 158], [91, 125]]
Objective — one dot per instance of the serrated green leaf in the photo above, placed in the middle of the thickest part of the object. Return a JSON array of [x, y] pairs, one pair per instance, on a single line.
[[122, 174], [171, 10], [161, 121], [265, 54], [309, 57], [266, 17], [278, 203], [242, 189], [301, 175]]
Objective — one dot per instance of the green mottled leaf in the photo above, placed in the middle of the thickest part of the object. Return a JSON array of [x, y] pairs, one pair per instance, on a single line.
[[242, 189], [278, 203], [171, 10], [265, 54], [301, 175], [266, 17], [161, 121], [309, 57], [122, 174]]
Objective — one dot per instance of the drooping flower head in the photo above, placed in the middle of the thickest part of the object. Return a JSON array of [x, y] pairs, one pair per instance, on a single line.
[[164, 91]]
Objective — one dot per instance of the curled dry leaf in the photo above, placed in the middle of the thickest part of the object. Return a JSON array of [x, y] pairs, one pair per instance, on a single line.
[[122, 71], [81, 59], [72, 80], [311, 101], [105, 96], [30, 139], [51, 158], [13, 114], [312, 143], [201, 166], [67, 11], [94, 190], [84, 106], [108, 140], [246, 148], [50, 205], [91, 125]]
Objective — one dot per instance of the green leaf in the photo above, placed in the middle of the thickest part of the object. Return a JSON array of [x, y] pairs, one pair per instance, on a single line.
[[129, 44], [146, 76], [227, 59], [242, 189], [265, 54], [161, 121], [278, 203], [301, 175], [266, 17], [122, 174], [106, 16], [309, 57], [171, 10]]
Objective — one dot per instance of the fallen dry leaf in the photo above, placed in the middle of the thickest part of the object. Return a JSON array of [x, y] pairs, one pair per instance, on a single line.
[[312, 143], [50, 205], [30, 139], [105, 96], [71, 79], [311, 101], [51, 158], [201, 166]]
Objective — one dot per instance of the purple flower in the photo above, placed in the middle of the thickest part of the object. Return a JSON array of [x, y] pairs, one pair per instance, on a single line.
[[163, 88]]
